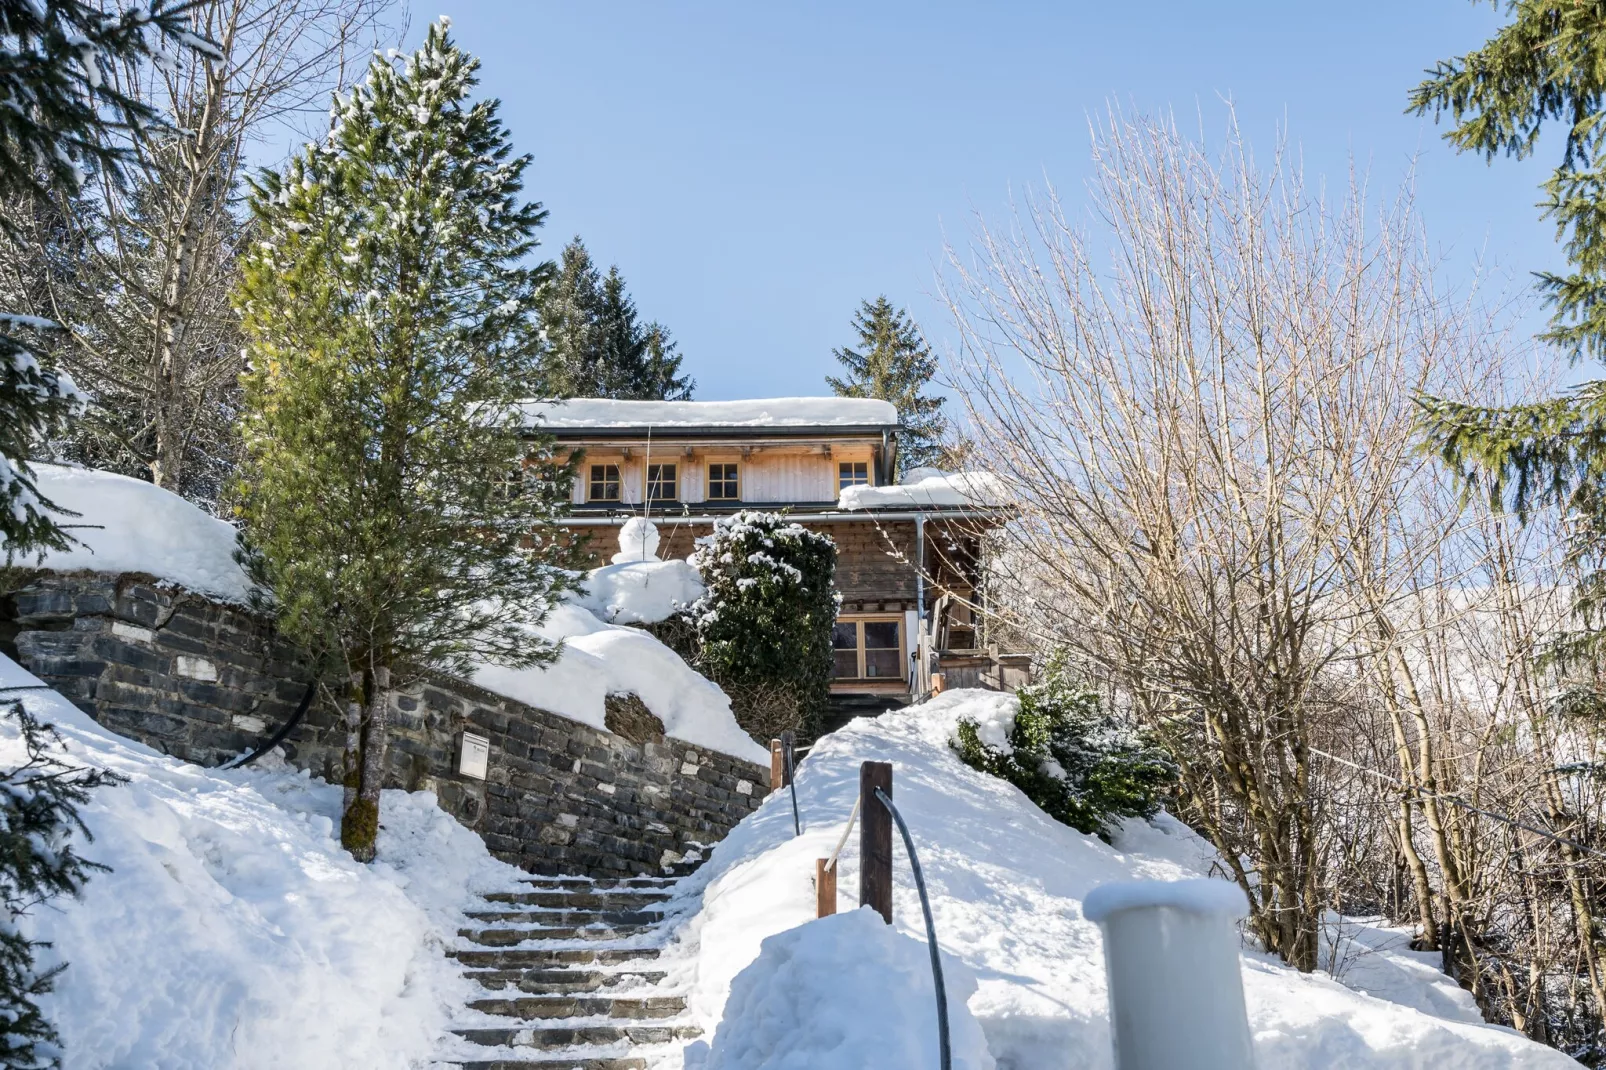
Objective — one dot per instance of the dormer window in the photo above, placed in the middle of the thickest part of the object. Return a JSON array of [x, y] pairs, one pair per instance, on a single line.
[[604, 483], [662, 483], [852, 474], [723, 484]]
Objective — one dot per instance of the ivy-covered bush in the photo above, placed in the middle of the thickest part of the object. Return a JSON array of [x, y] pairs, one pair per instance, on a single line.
[[1077, 762], [764, 624], [39, 802]]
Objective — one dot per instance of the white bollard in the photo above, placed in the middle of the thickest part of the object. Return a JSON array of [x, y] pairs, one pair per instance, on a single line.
[[1176, 986]]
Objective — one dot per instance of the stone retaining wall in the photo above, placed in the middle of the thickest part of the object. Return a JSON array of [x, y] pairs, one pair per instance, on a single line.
[[205, 682]]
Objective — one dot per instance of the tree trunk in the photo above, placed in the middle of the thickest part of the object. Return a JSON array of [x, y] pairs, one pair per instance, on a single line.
[[365, 771]]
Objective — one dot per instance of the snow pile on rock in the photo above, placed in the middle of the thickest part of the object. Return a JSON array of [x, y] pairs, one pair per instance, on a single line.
[[759, 412], [127, 525], [1007, 885], [233, 930], [601, 659], [928, 487], [846, 992]]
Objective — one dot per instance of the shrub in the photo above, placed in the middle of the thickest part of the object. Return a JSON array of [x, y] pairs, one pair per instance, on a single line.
[[1081, 765], [38, 816], [764, 624]]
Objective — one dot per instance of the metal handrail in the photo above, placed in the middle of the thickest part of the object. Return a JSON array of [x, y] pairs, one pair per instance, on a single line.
[[791, 780], [944, 1053]]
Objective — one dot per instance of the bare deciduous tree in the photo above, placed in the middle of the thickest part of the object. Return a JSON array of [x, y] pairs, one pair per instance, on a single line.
[[1204, 409], [140, 271]]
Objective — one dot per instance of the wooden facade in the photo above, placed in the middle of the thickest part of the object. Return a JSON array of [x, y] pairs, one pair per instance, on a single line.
[[907, 575]]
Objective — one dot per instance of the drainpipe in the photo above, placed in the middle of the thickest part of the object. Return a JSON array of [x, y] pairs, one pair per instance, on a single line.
[[924, 645]]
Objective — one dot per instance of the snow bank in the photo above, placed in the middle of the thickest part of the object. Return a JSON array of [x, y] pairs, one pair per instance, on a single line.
[[1008, 885], [846, 992], [600, 659], [233, 931], [126, 525], [928, 487], [580, 413]]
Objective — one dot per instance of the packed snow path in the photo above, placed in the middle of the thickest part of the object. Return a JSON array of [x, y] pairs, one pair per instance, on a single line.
[[567, 979]]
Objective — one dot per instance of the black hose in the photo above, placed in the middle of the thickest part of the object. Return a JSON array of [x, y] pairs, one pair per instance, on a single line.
[[943, 1050], [284, 729], [791, 781]]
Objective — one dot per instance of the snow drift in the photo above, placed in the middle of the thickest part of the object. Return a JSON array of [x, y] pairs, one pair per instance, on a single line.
[[127, 525], [843, 992], [1008, 886], [233, 931]]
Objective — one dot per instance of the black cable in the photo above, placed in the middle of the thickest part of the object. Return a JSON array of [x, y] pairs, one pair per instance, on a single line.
[[931, 935], [284, 729]]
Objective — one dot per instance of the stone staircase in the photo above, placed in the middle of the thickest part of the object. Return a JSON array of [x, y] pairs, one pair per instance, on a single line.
[[568, 979]]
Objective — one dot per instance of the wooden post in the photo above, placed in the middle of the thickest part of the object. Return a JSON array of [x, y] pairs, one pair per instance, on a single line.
[[938, 682], [788, 760], [824, 888], [777, 765], [875, 839]]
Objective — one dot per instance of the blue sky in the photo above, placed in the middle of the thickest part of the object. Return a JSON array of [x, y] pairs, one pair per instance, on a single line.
[[755, 169]]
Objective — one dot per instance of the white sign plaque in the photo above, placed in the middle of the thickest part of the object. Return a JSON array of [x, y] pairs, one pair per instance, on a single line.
[[475, 757]]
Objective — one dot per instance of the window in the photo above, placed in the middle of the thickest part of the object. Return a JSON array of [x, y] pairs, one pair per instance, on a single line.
[[604, 483], [722, 483], [852, 474], [662, 486], [867, 649]]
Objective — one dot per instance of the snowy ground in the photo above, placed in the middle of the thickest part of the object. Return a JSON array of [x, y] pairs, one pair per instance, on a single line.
[[233, 930], [1007, 886]]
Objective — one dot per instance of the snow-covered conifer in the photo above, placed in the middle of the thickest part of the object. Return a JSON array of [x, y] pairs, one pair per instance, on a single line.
[[1073, 758], [404, 521], [39, 803], [59, 106]]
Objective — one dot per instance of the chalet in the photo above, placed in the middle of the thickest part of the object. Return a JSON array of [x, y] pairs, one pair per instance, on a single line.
[[909, 554]]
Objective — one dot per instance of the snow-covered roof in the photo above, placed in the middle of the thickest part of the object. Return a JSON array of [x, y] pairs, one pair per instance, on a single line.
[[929, 488], [776, 413]]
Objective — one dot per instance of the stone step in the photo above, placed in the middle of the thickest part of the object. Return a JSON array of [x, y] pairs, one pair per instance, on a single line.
[[549, 1038], [603, 882], [541, 916], [556, 1062], [536, 958], [508, 937], [561, 982], [579, 900], [532, 1008]]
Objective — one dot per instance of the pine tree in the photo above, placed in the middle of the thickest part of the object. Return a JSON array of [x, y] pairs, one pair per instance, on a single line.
[[402, 519], [1544, 66], [39, 802], [894, 363], [61, 110], [596, 345]]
